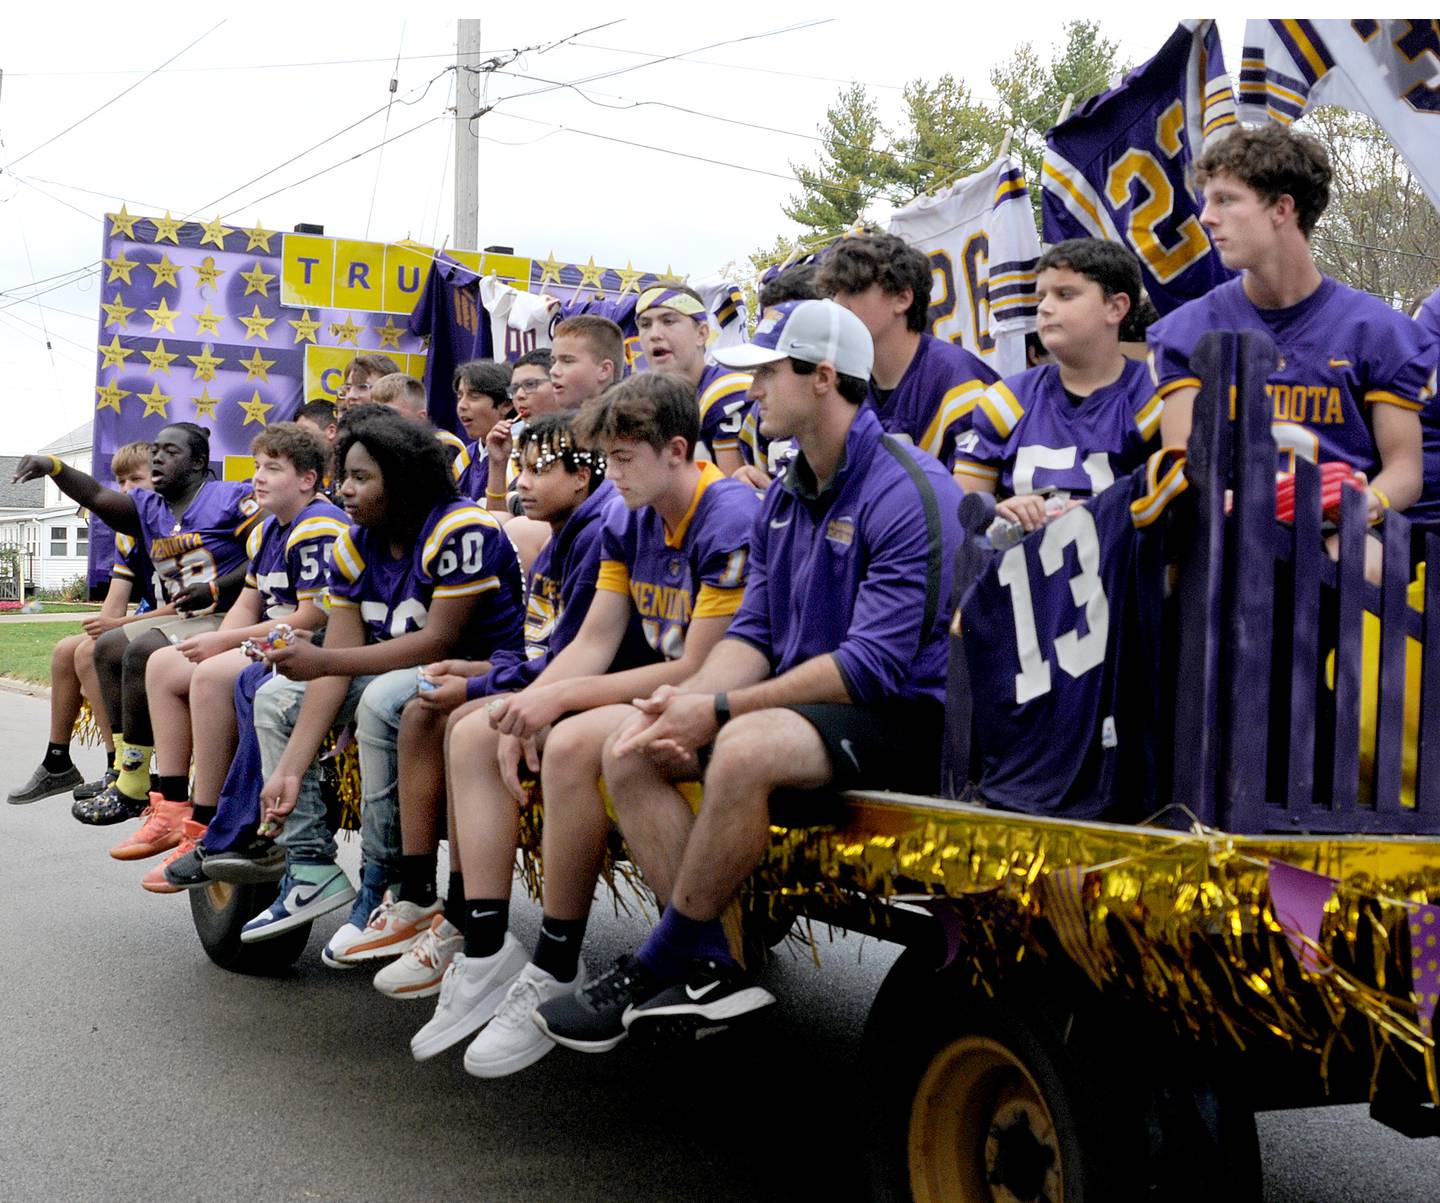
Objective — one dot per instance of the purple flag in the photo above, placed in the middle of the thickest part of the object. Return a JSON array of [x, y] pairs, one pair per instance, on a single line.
[[1425, 962], [1298, 899]]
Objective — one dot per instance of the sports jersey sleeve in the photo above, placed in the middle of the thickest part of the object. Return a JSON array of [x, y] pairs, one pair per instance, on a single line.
[[725, 554], [723, 404], [982, 453], [617, 552], [125, 548], [241, 507], [307, 554], [1400, 357], [463, 555], [752, 619], [253, 541], [347, 568], [1170, 342]]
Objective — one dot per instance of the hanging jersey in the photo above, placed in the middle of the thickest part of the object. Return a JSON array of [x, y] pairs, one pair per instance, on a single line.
[[1029, 436], [520, 322], [979, 234], [449, 312], [1341, 351], [722, 397], [460, 552], [290, 564], [206, 543], [728, 313], [931, 405], [1427, 509], [698, 571], [1061, 634], [1118, 167], [132, 563]]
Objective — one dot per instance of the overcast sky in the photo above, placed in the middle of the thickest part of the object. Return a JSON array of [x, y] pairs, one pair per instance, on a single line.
[[211, 133]]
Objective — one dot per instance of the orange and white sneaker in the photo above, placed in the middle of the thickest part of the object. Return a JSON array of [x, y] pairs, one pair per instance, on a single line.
[[162, 827], [162, 878], [393, 929], [419, 972]]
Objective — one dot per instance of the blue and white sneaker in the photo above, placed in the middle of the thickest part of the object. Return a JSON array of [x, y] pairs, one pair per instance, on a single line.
[[352, 931], [306, 893]]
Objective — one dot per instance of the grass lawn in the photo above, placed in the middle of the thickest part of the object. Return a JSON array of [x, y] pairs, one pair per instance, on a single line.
[[59, 607], [25, 648]]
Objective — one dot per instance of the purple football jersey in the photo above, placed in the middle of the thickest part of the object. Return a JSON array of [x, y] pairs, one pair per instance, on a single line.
[[290, 564], [722, 398], [132, 563], [931, 405], [698, 571], [450, 313], [1341, 351], [1427, 509], [460, 552], [207, 541], [1028, 436]]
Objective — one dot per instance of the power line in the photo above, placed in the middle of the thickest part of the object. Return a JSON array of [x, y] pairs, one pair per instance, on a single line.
[[109, 196], [336, 62], [1383, 250], [125, 92], [831, 79], [385, 130]]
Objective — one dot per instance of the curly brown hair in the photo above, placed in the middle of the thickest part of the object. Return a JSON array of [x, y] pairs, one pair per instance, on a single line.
[[1275, 161], [854, 264]]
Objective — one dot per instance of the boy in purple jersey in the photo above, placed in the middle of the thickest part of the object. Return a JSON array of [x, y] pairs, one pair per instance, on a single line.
[[1353, 374], [674, 559], [422, 574], [922, 388], [194, 529], [1075, 425], [193, 686], [674, 329], [72, 663], [1427, 509], [482, 402], [832, 674]]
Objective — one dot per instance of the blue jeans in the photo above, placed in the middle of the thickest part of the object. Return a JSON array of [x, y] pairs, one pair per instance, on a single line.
[[238, 810]]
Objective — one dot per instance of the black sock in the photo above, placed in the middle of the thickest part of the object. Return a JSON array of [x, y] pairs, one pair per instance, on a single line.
[[557, 951], [110, 761], [202, 814], [455, 902], [486, 920], [417, 878], [57, 758], [173, 789]]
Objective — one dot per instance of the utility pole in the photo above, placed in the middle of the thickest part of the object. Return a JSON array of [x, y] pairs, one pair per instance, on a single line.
[[465, 233]]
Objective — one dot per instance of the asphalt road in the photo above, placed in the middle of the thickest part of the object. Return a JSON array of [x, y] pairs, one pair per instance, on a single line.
[[133, 1069]]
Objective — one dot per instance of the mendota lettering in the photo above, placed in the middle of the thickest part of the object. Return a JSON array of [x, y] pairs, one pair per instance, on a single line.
[[1306, 403], [667, 602], [169, 547]]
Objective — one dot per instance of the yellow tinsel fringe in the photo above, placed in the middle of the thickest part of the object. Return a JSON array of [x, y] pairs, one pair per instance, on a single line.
[[86, 730]]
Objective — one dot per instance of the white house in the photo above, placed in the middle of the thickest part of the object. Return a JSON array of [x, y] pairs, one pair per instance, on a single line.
[[51, 530]]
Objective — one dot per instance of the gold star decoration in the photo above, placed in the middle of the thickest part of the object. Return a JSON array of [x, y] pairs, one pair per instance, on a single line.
[[256, 325], [115, 354], [257, 279], [208, 272], [259, 236], [206, 363], [208, 322], [629, 279], [110, 396], [214, 233], [122, 223], [117, 311], [590, 274], [550, 270], [205, 404], [346, 331], [162, 316], [160, 359], [255, 366], [390, 333], [305, 328], [155, 402], [120, 268], [255, 410], [167, 228], [670, 277], [165, 272]]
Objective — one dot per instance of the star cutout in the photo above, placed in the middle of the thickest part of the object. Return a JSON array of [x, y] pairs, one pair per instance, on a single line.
[[390, 333], [165, 272], [162, 316], [208, 272], [120, 268], [167, 229], [208, 322], [122, 223], [305, 328], [256, 325], [205, 404], [155, 402], [550, 269], [590, 274], [670, 277], [255, 410], [629, 279], [117, 311], [214, 233], [160, 359], [259, 236], [110, 396], [115, 354], [255, 366], [346, 331], [205, 363], [257, 279]]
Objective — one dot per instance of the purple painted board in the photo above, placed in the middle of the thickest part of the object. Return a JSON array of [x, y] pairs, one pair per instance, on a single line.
[[1345, 737], [1306, 557], [1390, 713], [1427, 778]]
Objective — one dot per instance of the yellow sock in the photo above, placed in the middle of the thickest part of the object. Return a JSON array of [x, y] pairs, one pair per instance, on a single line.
[[133, 762]]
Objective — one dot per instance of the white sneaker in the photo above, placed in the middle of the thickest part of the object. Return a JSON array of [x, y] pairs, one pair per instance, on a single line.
[[418, 973], [339, 942], [470, 992], [512, 1041], [394, 928]]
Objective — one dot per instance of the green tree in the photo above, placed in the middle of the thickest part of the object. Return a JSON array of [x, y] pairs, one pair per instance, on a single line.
[[835, 192], [947, 134]]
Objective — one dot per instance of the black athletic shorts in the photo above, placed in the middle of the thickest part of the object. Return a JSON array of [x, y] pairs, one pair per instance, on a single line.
[[891, 745]]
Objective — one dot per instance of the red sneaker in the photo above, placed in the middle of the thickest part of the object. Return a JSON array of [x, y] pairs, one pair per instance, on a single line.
[[155, 881], [162, 828]]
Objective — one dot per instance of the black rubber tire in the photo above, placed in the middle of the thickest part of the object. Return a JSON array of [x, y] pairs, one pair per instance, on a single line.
[[221, 909]]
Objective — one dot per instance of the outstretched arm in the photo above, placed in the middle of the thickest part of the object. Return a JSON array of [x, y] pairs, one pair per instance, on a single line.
[[113, 508]]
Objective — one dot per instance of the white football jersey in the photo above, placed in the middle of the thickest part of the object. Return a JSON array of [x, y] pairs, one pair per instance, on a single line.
[[727, 309], [519, 321]]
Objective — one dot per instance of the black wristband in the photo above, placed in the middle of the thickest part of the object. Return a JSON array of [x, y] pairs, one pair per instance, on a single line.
[[722, 709]]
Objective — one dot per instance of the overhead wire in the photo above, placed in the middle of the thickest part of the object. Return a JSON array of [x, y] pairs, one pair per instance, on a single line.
[[831, 79], [385, 131]]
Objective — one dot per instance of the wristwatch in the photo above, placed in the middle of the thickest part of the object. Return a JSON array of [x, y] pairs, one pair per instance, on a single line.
[[722, 709]]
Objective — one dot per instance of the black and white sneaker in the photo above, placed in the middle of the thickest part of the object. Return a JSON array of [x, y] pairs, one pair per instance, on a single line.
[[254, 862], [187, 871], [593, 1021], [707, 1002]]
